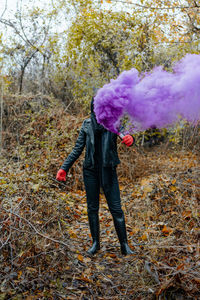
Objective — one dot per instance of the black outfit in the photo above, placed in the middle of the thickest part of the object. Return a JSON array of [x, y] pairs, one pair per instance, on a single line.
[[99, 170]]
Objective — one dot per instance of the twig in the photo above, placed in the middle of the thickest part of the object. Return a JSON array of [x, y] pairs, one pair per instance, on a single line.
[[156, 8], [108, 279], [5, 8], [138, 150], [3, 244], [68, 105], [39, 233], [167, 246], [154, 274], [190, 185], [186, 271], [58, 182], [1, 117]]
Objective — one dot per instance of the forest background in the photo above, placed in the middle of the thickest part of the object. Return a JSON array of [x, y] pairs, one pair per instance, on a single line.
[[54, 56]]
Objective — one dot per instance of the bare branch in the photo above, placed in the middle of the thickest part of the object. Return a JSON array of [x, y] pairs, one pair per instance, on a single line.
[[154, 274], [37, 232], [157, 8], [26, 38], [5, 8]]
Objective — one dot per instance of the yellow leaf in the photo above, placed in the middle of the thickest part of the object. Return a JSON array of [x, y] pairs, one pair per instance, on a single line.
[[173, 188], [148, 188], [180, 267], [80, 257], [31, 269], [186, 214], [87, 260], [144, 182], [72, 234], [144, 237], [84, 278], [173, 181], [100, 268], [146, 185], [19, 274], [167, 230], [113, 255], [190, 248], [134, 231], [36, 187]]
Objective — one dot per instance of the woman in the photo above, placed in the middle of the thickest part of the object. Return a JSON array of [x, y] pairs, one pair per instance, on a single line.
[[99, 170]]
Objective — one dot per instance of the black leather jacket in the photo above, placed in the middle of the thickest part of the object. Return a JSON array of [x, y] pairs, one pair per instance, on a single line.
[[86, 138]]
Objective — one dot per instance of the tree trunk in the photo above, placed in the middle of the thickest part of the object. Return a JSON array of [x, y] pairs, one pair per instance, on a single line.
[[21, 79]]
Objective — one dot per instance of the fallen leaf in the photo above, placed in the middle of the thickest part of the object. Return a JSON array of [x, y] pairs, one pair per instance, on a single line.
[[167, 230]]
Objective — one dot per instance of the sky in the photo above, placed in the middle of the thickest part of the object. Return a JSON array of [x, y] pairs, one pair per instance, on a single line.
[[11, 5], [6, 5]]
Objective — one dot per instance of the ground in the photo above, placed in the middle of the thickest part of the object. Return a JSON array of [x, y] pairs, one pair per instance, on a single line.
[[44, 227]]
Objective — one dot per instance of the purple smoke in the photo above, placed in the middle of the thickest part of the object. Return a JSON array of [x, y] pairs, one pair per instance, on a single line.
[[156, 99]]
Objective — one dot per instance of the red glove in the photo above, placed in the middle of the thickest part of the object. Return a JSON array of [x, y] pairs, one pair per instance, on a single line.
[[127, 140], [61, 175]]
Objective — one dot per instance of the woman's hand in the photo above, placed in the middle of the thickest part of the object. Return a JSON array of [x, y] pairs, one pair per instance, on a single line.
[[128, 140], [61, 175]]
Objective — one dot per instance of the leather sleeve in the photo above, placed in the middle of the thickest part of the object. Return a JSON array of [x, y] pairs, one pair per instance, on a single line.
[[76, 151]]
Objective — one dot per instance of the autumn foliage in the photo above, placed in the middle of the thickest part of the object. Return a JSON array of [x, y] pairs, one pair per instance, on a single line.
[[44, 231]]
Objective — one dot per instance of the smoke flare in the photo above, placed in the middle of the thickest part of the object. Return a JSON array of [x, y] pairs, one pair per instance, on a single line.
[[155, 99]]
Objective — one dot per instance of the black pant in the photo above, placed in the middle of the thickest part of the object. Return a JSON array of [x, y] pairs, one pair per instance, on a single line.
[[107, 179]]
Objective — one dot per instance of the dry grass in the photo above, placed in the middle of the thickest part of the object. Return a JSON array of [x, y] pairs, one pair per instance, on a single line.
[[44, 231]]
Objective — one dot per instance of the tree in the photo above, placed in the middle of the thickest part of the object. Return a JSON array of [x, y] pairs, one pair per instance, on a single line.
[[94, 42], [101, 43], [31, 34]]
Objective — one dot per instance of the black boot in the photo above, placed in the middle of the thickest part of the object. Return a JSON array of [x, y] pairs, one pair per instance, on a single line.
[[94, 229], [120, 227]]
